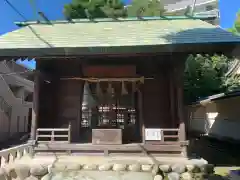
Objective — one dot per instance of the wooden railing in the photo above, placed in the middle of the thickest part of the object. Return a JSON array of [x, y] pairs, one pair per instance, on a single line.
[[8, 156], [62, 135], [172, 135], [163, 136]]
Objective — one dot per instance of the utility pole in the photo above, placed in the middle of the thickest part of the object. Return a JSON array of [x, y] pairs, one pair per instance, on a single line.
[[193, 7]]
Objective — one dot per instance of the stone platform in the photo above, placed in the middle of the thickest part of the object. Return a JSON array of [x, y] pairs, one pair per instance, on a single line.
[[50, 158], [20, 163], [103, 168]]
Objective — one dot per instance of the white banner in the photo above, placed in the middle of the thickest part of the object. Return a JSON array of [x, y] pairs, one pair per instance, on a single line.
[[152, 134]]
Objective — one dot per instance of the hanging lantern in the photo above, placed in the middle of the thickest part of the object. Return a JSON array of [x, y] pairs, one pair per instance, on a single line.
[[124, 90]]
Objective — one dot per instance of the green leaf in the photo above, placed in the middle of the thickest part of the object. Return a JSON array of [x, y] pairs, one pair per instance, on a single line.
[[205, 76]]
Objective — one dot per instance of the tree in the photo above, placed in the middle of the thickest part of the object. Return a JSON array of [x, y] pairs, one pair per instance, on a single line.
[[206, 75], [232, 83], [79, 9], [145, 8], [236, 27]]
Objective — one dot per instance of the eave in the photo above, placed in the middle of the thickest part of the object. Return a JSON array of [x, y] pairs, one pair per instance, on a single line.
[[225, 48]]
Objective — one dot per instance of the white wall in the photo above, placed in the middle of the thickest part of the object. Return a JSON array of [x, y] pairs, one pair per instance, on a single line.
[[220, 118], [19, 119], [4, 126], [18, 123]]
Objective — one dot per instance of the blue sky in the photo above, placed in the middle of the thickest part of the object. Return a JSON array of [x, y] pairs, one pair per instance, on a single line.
[[228, 10], [53, 10]]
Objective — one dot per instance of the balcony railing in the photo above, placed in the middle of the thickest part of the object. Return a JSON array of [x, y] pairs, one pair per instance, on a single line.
[[5, 107], [9, 155], [16, 67]]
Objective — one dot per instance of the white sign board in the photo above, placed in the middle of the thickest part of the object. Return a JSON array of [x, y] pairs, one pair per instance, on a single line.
[[152, 134]]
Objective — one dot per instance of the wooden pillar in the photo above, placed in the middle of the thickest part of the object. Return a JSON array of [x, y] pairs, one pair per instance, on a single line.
[[35, 109], [179, 72], [172, 95], [79, 120], [140, 110], [81, 91], [182, 130]]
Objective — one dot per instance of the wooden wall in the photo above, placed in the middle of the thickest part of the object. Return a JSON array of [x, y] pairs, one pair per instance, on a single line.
[[156, 102], [62, 99], [69, 105], [47, 106]]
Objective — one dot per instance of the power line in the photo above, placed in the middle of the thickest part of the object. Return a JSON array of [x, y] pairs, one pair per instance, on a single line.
[[16, 10], [31, 28]]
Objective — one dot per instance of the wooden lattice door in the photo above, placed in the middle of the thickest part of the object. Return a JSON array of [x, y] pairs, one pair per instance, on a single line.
[[111, 110]]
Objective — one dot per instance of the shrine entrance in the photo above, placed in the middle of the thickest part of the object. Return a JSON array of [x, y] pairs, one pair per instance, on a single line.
[[113, 108], [110, 104]]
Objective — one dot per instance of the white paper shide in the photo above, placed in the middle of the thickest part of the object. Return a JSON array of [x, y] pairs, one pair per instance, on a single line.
[[152, 134]]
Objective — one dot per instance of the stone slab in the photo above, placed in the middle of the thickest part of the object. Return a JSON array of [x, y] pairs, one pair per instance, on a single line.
[[103, 175]]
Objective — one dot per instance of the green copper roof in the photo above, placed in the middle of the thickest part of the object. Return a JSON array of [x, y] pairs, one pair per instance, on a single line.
[[199, 17], [120, 33]]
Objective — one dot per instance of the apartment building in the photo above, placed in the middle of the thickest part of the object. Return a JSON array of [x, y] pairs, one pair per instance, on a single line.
[[16, 90], [201, 7]]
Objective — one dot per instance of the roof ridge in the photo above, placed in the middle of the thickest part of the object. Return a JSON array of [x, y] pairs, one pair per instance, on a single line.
[[196, 17]]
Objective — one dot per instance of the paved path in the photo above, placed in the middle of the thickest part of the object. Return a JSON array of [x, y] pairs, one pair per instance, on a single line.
[[115, 159], [107, 175]]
